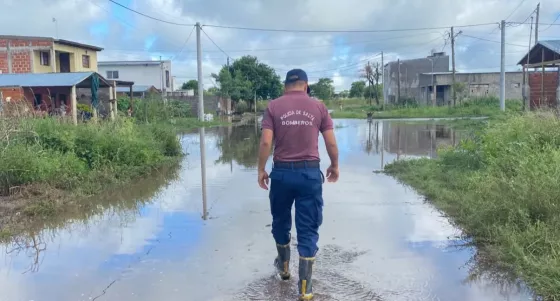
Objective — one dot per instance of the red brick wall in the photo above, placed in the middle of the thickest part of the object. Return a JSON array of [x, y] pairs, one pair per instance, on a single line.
[[21, 61], [536, 85], [13, 93], [3, 61], [20, 58]]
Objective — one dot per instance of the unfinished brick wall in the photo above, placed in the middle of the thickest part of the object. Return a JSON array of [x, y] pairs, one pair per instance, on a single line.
[[15, 54], [21, 61]]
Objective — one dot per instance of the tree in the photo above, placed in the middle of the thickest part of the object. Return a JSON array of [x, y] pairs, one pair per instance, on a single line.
[[323, 89], [372, 75], [212, 91], [247, 78], [191, 85], [344, 94], [358, 89]]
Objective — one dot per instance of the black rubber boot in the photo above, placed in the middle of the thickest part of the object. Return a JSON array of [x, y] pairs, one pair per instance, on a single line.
[[282, 261], [305, 287]]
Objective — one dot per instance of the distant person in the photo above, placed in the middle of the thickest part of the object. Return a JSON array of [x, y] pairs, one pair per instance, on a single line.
[[294, 122]]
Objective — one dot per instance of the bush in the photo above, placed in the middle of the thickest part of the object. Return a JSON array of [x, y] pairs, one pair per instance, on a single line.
[[64, 155]]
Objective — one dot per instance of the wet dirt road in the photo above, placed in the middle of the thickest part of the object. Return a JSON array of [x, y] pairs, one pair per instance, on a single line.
[[153, 241]]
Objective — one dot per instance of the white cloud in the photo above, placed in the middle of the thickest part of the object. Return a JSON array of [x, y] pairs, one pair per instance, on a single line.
[[318, 52]]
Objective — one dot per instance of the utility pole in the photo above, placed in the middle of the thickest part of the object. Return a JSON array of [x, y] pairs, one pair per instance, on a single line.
[[368, 76], [454, 95], [162, 80], [399, 81], [537, 24], [383, 79], [526, 104], [199, 70], [503, 68]]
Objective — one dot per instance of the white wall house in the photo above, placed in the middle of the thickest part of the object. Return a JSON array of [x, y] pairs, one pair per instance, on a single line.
[[143, 73]]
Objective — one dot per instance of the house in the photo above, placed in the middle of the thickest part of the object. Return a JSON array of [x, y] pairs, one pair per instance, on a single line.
[[544, 81], [143, 73], [26, 54], [476, 84], [401, 78], [57, 93]]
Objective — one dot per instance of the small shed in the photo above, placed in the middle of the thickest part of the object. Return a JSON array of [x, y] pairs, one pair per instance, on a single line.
[[53, 92], [139, 91], [542, 85]]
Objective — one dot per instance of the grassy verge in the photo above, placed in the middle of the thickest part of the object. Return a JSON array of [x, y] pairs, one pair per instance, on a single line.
[[49, 166], [501, 188], [472, 108]]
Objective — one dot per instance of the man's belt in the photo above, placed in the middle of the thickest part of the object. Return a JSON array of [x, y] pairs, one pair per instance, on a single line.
[[296, 164]]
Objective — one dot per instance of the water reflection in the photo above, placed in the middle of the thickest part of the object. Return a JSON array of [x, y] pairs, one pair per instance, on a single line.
[[408, 139], [148, 242], [240, 144]]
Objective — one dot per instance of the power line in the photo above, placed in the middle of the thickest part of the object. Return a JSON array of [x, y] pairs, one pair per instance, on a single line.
[[342, 31], [148, 16], [518, 6], [487, 40], [184, 45], [227, 55], [553, 23]]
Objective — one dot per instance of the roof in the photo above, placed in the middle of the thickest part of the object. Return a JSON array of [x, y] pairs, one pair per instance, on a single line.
[[129, 63], [76, 44], [135, 89], [552, 52], [59, 41], [49, 79]]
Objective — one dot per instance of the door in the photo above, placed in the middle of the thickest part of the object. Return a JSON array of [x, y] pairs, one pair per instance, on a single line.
[[64, 61]]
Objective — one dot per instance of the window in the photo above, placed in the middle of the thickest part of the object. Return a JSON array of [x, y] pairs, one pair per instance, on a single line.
[[112, 74], [45, 58], [85, 61], [167, 78], [38, 99]]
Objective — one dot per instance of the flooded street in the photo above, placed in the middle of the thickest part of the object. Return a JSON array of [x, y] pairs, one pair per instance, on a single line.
[[157, 240]]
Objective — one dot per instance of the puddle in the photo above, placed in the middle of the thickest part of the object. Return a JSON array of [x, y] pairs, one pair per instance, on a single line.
[[157, 240]]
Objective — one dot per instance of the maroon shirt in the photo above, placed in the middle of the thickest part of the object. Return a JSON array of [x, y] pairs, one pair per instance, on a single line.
[[296, 120]]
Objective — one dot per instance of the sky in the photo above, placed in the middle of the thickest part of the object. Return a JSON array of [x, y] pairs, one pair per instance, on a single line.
[[126, 35]]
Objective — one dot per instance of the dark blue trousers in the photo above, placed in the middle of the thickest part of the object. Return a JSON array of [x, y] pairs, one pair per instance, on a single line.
[[305, 187]]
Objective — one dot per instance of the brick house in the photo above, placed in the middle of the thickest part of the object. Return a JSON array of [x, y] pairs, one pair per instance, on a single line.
[[24, 54]]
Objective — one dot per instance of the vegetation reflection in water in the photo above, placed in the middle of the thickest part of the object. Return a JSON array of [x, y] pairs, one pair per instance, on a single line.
[[120, 205]]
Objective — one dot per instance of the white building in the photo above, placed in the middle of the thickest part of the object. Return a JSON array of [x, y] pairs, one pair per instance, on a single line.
[[142, 73]]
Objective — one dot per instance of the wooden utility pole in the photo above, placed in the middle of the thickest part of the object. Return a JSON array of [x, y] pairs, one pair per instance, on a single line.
[[537, 24], [453, 92]]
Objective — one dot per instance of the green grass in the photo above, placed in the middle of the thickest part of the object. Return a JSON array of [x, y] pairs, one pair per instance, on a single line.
[[471, 108], [501, 187]]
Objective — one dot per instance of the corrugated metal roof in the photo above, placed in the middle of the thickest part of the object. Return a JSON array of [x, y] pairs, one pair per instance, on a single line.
[[135, 89], [553, 45], [44, 79]]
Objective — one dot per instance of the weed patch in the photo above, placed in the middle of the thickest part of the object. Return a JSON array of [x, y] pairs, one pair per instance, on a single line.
[[501, 187]]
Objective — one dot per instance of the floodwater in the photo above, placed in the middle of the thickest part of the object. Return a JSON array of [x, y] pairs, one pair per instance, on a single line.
[[158, 240]]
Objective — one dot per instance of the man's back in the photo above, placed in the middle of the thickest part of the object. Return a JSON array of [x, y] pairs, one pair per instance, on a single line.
[[296, 120]]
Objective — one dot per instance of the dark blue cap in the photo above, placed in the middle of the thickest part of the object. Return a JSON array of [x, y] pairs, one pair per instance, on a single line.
[[296, 74]]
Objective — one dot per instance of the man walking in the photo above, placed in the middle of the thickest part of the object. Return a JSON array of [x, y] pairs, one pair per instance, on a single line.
[[294, 122]]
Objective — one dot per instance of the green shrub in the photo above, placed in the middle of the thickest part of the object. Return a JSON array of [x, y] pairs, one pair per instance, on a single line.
[[64, 155]]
